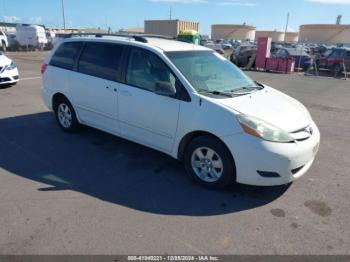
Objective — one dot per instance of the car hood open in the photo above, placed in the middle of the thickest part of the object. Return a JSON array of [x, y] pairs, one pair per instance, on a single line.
[[271, 106]]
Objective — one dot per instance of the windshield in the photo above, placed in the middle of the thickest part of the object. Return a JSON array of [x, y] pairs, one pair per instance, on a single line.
[[210, 72]]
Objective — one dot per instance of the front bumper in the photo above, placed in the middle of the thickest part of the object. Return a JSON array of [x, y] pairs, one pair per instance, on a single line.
[[289, 160], [9, 76]]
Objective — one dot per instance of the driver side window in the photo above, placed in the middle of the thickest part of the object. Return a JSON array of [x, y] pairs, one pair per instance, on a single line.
[[145, 70]]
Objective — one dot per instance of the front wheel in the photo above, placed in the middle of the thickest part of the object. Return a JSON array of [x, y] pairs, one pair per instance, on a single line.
[[209, 163], [337, 70], [65, 116]]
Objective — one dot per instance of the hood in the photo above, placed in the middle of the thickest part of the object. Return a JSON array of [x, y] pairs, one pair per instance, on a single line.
[[4, 60], [271, 106]]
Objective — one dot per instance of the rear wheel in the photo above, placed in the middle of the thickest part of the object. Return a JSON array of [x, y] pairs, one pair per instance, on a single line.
[[65, 115], [209, 163]]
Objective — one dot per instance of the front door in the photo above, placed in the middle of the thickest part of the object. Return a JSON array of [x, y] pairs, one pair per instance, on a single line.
[[145, 116]]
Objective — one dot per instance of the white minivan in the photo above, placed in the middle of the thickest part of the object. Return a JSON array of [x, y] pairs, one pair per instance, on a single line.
[[184, 100]]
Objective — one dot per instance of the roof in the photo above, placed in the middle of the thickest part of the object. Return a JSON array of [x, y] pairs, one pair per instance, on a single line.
[[165, 45], [173, 45], [324, 26], [233, 26], [172, 20]]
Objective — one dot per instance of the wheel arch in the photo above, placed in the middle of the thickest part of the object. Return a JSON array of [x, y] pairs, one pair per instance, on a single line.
[[55, 99], [186, 140]]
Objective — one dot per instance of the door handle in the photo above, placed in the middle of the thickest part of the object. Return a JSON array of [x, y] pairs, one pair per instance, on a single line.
[[125, 93]]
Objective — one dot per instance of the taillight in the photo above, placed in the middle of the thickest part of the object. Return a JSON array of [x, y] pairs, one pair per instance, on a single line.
[[43, 68]]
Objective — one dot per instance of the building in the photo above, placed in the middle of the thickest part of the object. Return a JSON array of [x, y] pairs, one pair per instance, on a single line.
[[291, 37], [77, 30], [132, 30], [170, 28], [325, 34], [8, 27], [276, 36], [230, 31]]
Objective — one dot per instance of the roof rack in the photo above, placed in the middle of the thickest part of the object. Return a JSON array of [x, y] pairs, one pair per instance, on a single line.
[[137, 37]]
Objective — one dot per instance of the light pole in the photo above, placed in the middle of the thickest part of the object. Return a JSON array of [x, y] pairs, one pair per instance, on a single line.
[[287, 23], [63, 15]]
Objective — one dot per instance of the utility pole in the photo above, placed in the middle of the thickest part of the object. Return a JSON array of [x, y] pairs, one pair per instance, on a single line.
[[171, 12], [63, 15], [286, 30]]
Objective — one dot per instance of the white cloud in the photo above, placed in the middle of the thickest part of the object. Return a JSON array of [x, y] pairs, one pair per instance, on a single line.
[[11, 19], [335, 2], [35, 20], [236, 3], [180, 1]]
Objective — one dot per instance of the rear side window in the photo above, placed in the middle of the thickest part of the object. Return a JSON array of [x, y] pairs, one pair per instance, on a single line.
[[101, 60], [66, 55]]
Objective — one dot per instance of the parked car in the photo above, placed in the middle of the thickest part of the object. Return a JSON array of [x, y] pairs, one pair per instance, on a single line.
[[335, 61], [222, 50], [50, 36], [243, 57], [8, 71], [12, 42], [302, 59], [31, 37], [184, 100], [3, 41]]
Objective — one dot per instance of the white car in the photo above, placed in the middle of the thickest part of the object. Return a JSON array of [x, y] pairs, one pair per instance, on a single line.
[[184, 100], [3, 41], [8, 71]]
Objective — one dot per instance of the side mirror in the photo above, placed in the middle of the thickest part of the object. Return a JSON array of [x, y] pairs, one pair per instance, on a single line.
[[165, 89]]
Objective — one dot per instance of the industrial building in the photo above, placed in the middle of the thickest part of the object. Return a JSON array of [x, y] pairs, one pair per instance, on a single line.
[[230, 31], [276, 36], [76, 30], [325, 34], [291, 37], [170, 28], [132, 30], [8, 27]]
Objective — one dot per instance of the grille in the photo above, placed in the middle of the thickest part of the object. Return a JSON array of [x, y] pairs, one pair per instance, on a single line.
[[5, 79]]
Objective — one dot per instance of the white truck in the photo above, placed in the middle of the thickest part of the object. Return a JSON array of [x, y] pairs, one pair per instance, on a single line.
[[31, 37]]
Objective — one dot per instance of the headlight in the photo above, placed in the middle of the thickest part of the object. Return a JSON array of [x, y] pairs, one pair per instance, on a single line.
[[11, 66], [259, 128]]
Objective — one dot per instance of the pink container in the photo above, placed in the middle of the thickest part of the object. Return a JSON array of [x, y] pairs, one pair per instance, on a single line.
[[263, 51]]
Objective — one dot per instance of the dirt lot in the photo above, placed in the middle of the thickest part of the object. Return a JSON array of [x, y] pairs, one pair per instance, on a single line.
[[92, 193]]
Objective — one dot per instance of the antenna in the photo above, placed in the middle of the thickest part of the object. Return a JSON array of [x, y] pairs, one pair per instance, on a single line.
[[171, 13]]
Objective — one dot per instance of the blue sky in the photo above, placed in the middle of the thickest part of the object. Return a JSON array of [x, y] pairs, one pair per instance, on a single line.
[[265, 14]]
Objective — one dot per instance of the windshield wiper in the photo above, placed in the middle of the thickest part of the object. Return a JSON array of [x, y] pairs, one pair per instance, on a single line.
[[219, 93], [247, 89]]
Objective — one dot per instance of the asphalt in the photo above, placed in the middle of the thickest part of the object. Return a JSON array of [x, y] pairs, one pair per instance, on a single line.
[[92, 193]]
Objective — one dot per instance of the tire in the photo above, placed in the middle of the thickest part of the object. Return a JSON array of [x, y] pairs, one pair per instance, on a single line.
[[337, 70], [3, 47], [66, 116], [202, 169]]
